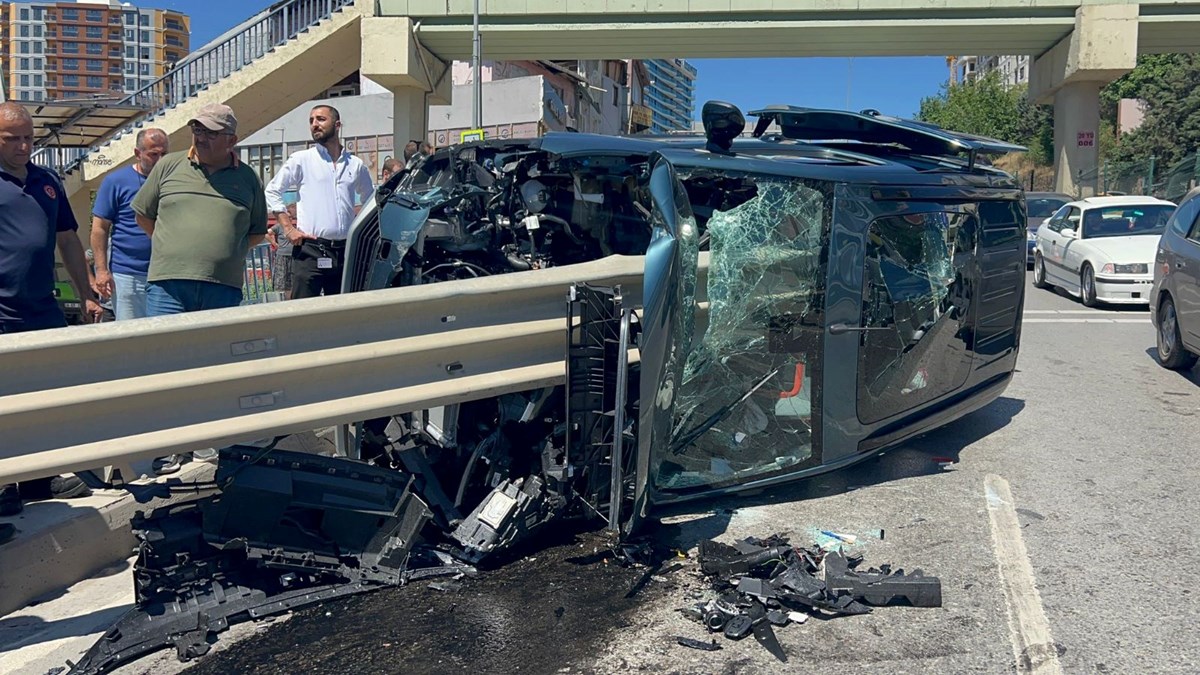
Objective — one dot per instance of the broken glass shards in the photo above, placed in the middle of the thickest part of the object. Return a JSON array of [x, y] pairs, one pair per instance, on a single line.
[[745, 402]]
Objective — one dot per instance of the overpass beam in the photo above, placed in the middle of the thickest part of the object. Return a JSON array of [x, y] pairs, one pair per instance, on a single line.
[[393, 56], [1101, 48]]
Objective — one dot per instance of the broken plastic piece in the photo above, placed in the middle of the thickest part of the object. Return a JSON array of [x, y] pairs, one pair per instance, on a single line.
[[738, 627], [698, 644], [797, 617], [507, 515], [882, 587]]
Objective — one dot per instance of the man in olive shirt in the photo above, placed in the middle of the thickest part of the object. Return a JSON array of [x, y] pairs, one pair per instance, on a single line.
[[203, 210]]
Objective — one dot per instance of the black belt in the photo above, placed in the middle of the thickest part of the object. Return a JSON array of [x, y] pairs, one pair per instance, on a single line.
[[331, 243]]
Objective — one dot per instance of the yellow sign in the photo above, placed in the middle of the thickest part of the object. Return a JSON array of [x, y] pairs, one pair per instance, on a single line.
[[641, 116], [471, 135]]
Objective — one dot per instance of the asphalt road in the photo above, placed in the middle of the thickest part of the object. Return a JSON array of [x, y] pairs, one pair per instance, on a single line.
[[1065, 536]]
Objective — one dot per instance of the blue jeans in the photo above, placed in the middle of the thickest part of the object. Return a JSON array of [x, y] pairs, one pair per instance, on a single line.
[[129, 296], [175, 296]]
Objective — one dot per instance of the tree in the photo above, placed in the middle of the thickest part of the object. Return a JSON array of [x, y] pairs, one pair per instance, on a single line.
[[1170, 86], [986, 107]]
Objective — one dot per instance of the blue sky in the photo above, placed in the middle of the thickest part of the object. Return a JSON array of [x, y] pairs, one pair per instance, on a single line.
[[894, 86]]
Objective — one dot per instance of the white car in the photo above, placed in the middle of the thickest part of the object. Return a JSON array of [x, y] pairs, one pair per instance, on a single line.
[[1101, 249]]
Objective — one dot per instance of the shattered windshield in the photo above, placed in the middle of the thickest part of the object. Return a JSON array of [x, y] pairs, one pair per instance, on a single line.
[[746, 401]]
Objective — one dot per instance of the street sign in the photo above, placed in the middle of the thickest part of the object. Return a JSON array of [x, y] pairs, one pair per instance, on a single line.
[[1086, 139], [471, 135]]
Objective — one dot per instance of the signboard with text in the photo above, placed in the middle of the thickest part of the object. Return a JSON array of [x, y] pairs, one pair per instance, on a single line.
[[1086, 139]]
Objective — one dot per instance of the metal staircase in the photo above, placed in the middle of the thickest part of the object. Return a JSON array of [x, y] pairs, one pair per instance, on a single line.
[[191, 76]]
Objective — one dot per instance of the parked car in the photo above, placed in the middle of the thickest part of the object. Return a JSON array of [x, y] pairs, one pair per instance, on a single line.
[[1038, 207], [1175, 294], [1100, 249]]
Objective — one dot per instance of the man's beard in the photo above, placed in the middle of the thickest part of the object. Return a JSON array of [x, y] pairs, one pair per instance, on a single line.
[[322, 138]]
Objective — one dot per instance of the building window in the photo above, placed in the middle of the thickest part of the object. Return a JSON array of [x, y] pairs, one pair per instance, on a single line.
[[95, 65], [70, 80], [95, 48], [94, 15], [24, 14], [94, 82], [25, 96], [70, 31], [130, 18], [114, 68], [70, 47], [114, 35], [143, 19], [23, 64], [24, 30], [37, 95], [130, 52], [128, 68], [24, 80], [174, 25], [37, 13], [70, 64], [146, 53], [130, 84], [37, 48], [95, 32], [37, 30], [145, 69], [130, 35], [145, 36], [70, 14], [37, 79], [24, 48], [37, 64]]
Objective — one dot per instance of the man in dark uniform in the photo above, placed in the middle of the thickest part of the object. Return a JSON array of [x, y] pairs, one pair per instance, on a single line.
[[35, 217]]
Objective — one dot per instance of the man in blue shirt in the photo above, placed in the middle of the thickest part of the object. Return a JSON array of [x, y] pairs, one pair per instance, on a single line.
[[121, 271], [35, 217]]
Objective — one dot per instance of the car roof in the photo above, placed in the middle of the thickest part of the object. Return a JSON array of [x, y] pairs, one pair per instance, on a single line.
[[1049, 195], [1131, 200]]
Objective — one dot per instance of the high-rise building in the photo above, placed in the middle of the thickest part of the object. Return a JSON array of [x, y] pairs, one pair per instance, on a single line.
[[1013, 70], [87, 49], [671, 94]]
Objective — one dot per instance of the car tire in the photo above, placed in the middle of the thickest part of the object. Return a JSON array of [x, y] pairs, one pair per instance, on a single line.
[[1170, 350], [1039, 272], [1087, 286]]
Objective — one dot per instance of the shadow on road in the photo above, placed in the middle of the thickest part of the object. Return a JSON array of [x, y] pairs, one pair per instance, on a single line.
[[1191, 374], [925, 455], [21, 631]]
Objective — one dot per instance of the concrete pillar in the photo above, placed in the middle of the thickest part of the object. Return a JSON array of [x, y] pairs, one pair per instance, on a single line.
[[1101, 48], [1076, 131], [410, 115], [393, 57]]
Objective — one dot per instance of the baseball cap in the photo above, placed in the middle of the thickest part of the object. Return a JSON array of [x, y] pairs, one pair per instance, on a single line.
[[216, 117]]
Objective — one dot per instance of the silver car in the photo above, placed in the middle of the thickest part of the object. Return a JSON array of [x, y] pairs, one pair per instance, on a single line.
[[1175, 293]]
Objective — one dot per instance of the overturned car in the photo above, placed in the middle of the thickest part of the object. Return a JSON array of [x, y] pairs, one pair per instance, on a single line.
[[811, 295]]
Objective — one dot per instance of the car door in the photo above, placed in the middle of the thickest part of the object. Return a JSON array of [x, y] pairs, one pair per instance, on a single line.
[[731, 369], [1072, 239], [1049, 244], [1185, 266]]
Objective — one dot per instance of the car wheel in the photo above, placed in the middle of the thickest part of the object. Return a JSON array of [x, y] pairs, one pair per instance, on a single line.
[[1039, 272], [1087, 286], [1171, 353]]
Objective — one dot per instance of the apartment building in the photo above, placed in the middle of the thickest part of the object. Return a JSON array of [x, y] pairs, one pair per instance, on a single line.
[[670, 94], [87, 49], [1013, 69]]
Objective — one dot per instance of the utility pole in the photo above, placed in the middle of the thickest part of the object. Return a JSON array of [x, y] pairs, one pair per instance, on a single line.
[[849, 79], [477, 114]]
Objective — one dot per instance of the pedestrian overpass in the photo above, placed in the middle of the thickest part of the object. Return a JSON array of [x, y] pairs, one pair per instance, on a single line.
[[295, 49]]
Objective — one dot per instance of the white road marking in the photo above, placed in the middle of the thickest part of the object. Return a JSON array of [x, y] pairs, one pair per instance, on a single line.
[[1143, 322], [1033, 646], [1085, 311]]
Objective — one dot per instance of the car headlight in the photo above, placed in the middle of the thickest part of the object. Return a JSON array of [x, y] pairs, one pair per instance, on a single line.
[[1132, 268]]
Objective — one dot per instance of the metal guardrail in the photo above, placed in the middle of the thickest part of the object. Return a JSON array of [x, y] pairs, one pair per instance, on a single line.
[[231, 52], [91, 396]]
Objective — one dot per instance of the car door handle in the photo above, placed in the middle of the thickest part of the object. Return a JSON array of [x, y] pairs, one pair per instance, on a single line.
[[840, 328]]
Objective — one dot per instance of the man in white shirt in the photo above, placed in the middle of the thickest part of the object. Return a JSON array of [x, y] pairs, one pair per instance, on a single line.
[[332, 186]]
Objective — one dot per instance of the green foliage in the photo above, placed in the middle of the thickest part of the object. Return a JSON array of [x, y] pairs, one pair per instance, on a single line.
[[1170, 86], [986, 107]]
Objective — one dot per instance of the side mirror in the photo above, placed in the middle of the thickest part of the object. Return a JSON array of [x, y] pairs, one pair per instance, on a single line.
[[1068, 233], [723, 122]]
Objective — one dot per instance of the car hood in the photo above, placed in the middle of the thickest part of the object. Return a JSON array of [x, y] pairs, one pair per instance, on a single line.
[[1132, 249]]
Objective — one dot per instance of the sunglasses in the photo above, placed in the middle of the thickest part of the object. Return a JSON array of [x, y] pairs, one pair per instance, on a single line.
[[205, 132]]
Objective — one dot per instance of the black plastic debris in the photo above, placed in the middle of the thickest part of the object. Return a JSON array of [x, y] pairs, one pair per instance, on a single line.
[[711, 646], [762, 584]]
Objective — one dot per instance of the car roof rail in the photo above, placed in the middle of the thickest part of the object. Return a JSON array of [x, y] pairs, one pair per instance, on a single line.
[[869, 126]]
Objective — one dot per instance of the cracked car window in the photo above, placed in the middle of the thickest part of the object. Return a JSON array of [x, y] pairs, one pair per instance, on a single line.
[[916, 298], [745, 404]]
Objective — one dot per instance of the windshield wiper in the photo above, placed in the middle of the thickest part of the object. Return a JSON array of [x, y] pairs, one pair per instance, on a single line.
[[688, 437]]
